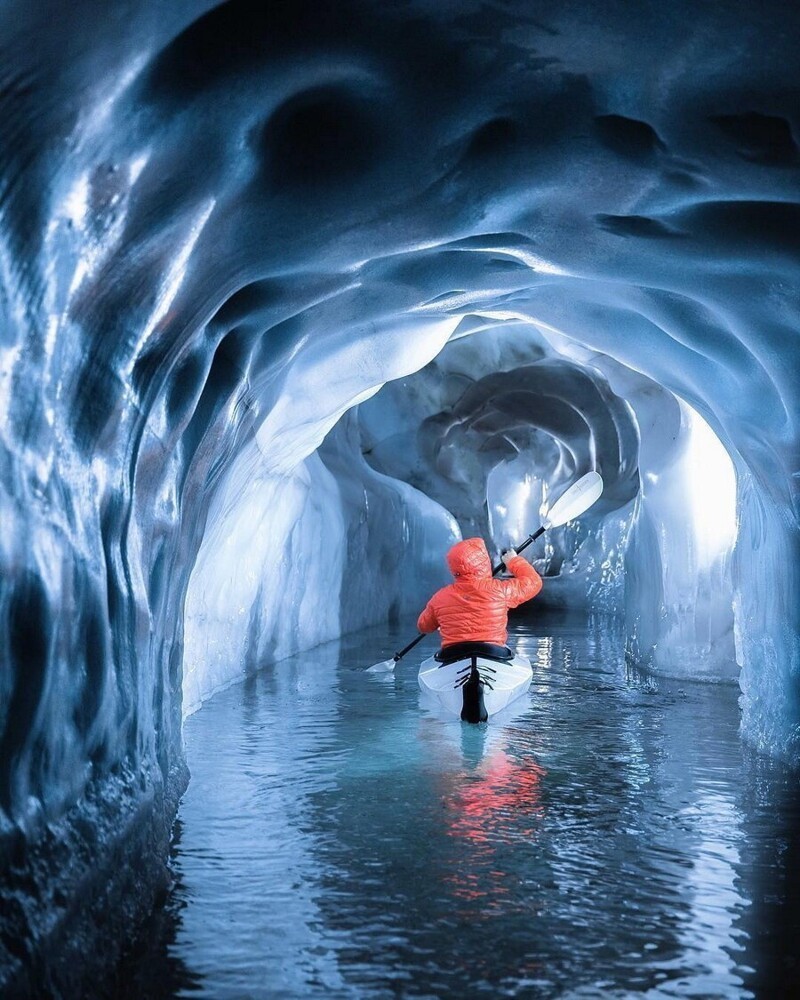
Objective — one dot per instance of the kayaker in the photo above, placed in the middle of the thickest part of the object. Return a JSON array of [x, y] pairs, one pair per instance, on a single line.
[[475, 607]]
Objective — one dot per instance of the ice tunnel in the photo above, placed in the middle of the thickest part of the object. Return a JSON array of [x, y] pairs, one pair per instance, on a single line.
[[294, 296]]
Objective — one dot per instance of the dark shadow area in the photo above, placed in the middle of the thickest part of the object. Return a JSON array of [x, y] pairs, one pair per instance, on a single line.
[[770, 872], [763, 139], [151, 967]]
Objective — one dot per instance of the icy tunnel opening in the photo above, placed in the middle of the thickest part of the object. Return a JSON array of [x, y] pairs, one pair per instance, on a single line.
[[342, 520], [710, 491]]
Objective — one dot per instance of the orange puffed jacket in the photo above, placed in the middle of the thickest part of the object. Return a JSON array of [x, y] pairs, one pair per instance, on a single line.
[[475, 607]]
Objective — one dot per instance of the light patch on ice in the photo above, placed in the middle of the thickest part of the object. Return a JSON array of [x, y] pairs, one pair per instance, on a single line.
[[8, 361], [93, 251], [710, 490], [100, 473], [172, 280], [14, 303], [76, 203], [93, 121], [459, 300], [531, 260], [136, 167]]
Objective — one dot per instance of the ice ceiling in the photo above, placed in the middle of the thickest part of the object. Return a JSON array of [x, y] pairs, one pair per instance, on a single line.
[[562, 236]]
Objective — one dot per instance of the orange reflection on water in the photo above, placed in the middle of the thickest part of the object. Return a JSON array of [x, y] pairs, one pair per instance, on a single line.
[[498, 803], [501, 800]]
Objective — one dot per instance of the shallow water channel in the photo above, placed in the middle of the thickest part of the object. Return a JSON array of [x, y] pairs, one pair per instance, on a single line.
[[610, 838]]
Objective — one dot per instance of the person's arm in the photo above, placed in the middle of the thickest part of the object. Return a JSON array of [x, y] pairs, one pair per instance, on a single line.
[[427, 621], [526, 583]]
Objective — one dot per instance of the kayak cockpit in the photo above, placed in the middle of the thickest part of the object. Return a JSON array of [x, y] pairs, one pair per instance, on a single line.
[[464, 650]]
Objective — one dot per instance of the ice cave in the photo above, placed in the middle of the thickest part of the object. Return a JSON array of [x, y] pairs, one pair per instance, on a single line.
[[293, 297]]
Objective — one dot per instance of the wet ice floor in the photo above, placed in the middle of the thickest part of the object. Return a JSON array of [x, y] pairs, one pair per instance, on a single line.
[[611, 838]]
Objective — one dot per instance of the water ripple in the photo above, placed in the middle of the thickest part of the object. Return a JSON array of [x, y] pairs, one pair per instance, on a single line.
[[603, 840]]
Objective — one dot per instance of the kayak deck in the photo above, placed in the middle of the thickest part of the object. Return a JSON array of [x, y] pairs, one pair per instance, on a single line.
[[501, 681]]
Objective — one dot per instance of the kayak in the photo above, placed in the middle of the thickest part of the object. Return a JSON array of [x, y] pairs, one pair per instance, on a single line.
[[473, 680]]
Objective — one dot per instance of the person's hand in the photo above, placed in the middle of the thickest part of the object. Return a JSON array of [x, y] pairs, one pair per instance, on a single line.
[[507, 556]]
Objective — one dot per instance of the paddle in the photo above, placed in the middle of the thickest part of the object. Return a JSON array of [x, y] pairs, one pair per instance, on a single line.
[[571, 504]]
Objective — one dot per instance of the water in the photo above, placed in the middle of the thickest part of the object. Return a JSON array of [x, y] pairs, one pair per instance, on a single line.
[[610, 838]]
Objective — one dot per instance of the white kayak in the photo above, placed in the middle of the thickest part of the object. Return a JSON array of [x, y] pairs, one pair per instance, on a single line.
[[476, 686]]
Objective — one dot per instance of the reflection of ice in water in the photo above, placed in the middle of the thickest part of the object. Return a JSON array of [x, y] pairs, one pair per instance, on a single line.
[[339, 837], [711, 882], [252, 839]]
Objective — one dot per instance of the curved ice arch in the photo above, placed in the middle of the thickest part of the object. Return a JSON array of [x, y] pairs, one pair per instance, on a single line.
[[158, 272]]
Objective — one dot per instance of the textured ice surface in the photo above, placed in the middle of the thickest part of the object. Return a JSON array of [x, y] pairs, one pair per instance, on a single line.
[[221, 226], [292, 560], [495, 448]]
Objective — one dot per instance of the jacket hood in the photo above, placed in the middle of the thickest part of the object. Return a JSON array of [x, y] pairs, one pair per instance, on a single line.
[[469, 559]]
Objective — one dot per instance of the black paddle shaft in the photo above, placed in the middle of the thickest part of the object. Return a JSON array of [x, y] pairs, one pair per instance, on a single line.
[[495, 570]]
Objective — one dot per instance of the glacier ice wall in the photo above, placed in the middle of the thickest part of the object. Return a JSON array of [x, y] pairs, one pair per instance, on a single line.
[[293, 560], [221, 227]]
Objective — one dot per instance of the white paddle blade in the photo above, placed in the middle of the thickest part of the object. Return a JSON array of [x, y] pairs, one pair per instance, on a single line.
[[382, 668], [577, 499]]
